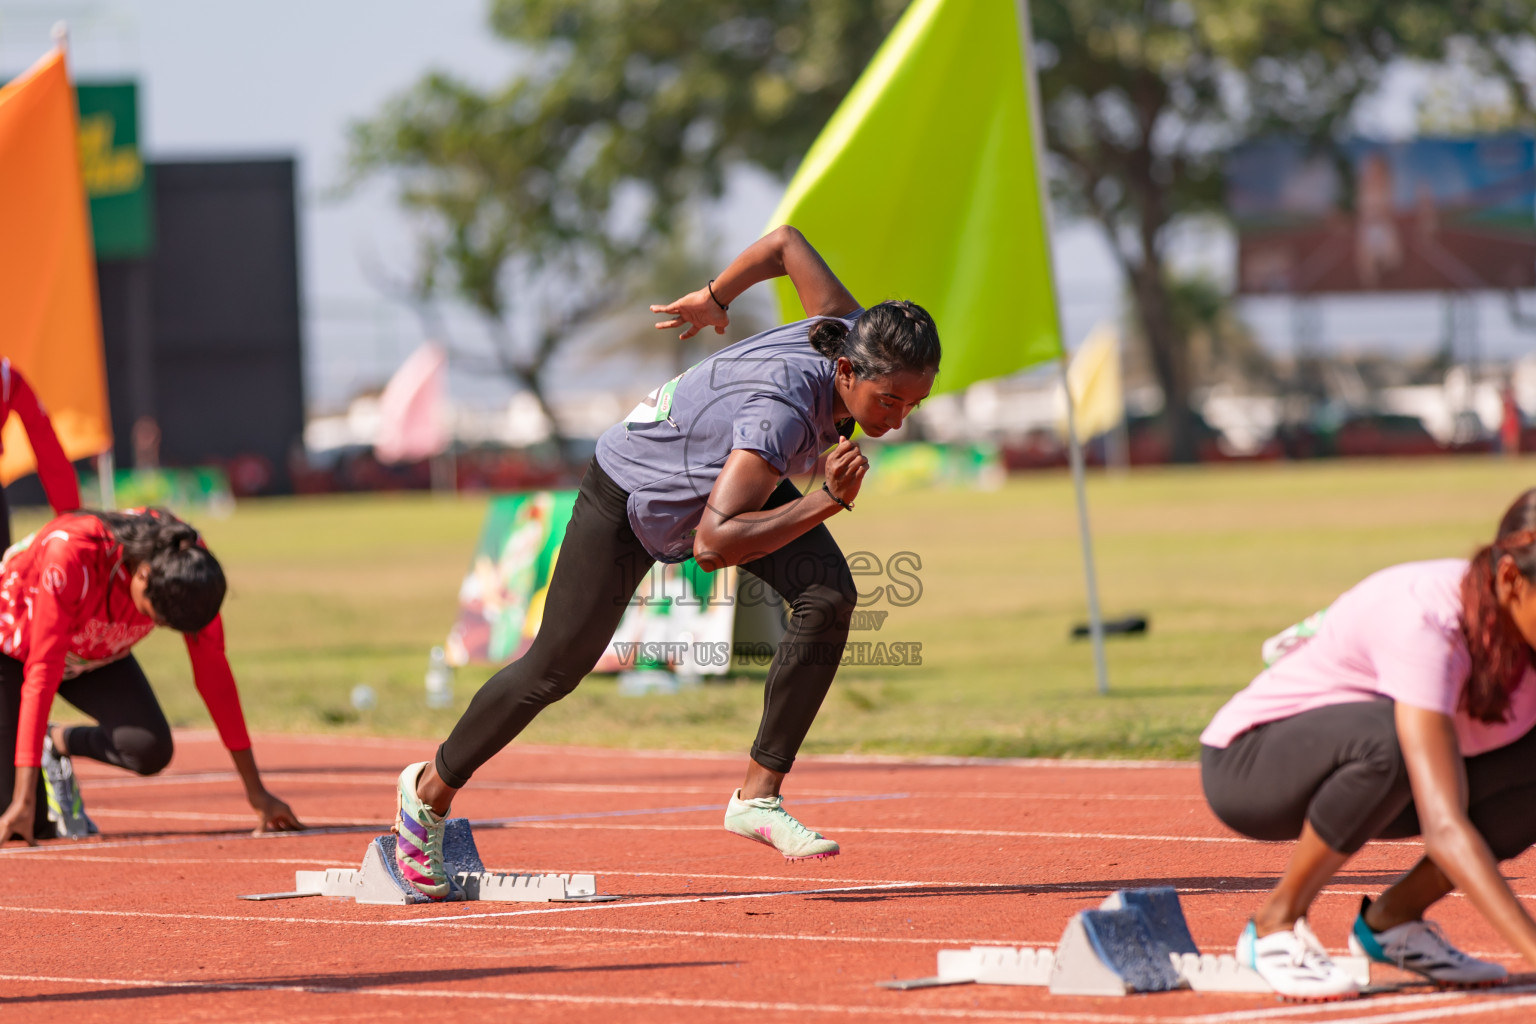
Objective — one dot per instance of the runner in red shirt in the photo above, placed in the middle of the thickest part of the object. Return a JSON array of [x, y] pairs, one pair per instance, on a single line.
[[53, 467], [74, 599]]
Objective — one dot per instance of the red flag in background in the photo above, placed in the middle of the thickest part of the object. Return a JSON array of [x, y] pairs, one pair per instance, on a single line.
[[413, 409]]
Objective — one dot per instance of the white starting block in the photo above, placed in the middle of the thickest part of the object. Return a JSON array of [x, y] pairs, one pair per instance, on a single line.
[[378, 880], [997, 965], [1137, 941]]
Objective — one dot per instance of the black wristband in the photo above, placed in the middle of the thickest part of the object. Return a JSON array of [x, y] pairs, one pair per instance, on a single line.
[[711, 287], [840, 501]]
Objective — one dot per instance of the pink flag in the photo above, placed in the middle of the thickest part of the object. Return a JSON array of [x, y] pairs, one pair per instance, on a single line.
[[411, 410]]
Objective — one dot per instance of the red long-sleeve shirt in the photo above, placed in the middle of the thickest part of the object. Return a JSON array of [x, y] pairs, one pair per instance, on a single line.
[[65, 608], [53, 467]]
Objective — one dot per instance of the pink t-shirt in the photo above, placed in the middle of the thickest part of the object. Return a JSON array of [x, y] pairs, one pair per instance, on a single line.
[[1395, 634]]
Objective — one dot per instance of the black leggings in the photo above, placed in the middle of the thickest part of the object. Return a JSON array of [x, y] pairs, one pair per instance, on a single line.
[[1341, 768], [601, 564], [130, 730]]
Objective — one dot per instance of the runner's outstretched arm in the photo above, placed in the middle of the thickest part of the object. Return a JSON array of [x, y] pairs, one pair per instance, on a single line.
[[781, 252]]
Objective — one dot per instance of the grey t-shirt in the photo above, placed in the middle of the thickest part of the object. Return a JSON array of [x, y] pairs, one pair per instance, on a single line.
[[770, 394]]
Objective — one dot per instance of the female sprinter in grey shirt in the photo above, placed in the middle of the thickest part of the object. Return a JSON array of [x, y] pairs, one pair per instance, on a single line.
[[699, 469]]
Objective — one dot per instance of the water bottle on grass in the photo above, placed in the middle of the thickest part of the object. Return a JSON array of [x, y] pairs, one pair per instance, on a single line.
[[439, 680]]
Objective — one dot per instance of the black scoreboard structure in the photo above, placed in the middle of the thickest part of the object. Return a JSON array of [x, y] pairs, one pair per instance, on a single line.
[[202, 333]]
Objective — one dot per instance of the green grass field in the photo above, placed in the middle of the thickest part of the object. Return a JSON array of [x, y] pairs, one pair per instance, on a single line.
[[328, 593]]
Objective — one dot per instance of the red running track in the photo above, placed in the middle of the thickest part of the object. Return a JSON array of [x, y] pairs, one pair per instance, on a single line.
[[144, 924]]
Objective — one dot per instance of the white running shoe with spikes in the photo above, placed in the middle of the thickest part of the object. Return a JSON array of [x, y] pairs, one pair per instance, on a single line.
[[1421, 947], [764, 820], [1295, 964]]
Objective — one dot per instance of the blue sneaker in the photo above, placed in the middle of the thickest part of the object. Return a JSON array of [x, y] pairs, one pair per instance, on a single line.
[[66, 809], [1420, 947]]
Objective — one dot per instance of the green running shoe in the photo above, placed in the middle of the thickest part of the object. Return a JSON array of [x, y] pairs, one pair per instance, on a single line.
[[65, 807], [764, 820], [419, 838]]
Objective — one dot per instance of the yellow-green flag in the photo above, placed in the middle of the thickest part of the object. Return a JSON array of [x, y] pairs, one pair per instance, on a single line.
[[923, 186]]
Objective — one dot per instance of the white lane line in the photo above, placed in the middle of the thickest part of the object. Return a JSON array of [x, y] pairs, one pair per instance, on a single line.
[[534, 926], [1424, 1013], [477, 922], [741, 1005], [918, 760], [540, 822], [222, 836], [185, 737], [90, 859], [917, 831], [385, 780], [113, 812], [1038, 887], [1470, 1002], [1494, 1005], [682, 933], [567, 869], [694, 809], [379, 823], [581, 907]]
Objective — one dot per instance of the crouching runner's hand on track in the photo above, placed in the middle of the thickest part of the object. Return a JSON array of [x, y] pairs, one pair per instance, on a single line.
[[17, 820], [846, 466], [276, 816]]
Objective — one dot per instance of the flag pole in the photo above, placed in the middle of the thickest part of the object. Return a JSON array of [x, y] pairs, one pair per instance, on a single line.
[[1074, 448], [106, 471]]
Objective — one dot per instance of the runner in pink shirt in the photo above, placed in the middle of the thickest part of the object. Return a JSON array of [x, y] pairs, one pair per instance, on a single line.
[[1404, 709]]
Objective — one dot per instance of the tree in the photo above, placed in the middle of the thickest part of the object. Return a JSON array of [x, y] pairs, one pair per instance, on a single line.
[[1143, 101], [562, 192], [629, 113]]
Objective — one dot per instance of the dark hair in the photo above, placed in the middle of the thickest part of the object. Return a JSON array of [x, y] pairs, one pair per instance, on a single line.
[[889, 338], [186, 583], [1499, 652]]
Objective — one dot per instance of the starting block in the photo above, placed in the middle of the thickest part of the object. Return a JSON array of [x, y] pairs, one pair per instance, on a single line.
[[1136, 941], [378, 880]]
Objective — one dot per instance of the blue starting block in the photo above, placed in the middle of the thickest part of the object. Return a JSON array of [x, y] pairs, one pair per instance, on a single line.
[[1136, 941], [1163, 912], [1123, 949]]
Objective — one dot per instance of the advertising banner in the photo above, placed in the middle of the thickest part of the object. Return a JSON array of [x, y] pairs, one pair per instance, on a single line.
[[113, 169], [681, 617], [1430, 214]]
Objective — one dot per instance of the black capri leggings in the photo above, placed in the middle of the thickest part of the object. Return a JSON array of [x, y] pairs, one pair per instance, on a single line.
[[1341, 768], [130, 730], [601, 564]]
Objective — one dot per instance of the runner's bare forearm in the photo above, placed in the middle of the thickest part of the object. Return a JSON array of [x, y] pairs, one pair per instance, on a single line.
[[785, 251], [1463, 854], [1438, 777], [734, 539], [25, 791], [245, 764]]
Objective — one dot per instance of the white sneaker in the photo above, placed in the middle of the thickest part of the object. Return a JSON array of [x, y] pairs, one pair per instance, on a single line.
[[1295, 964], [1420, 947], [764, 820]]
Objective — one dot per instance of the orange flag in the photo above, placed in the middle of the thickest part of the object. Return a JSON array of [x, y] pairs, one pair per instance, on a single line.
[[50, 323]]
